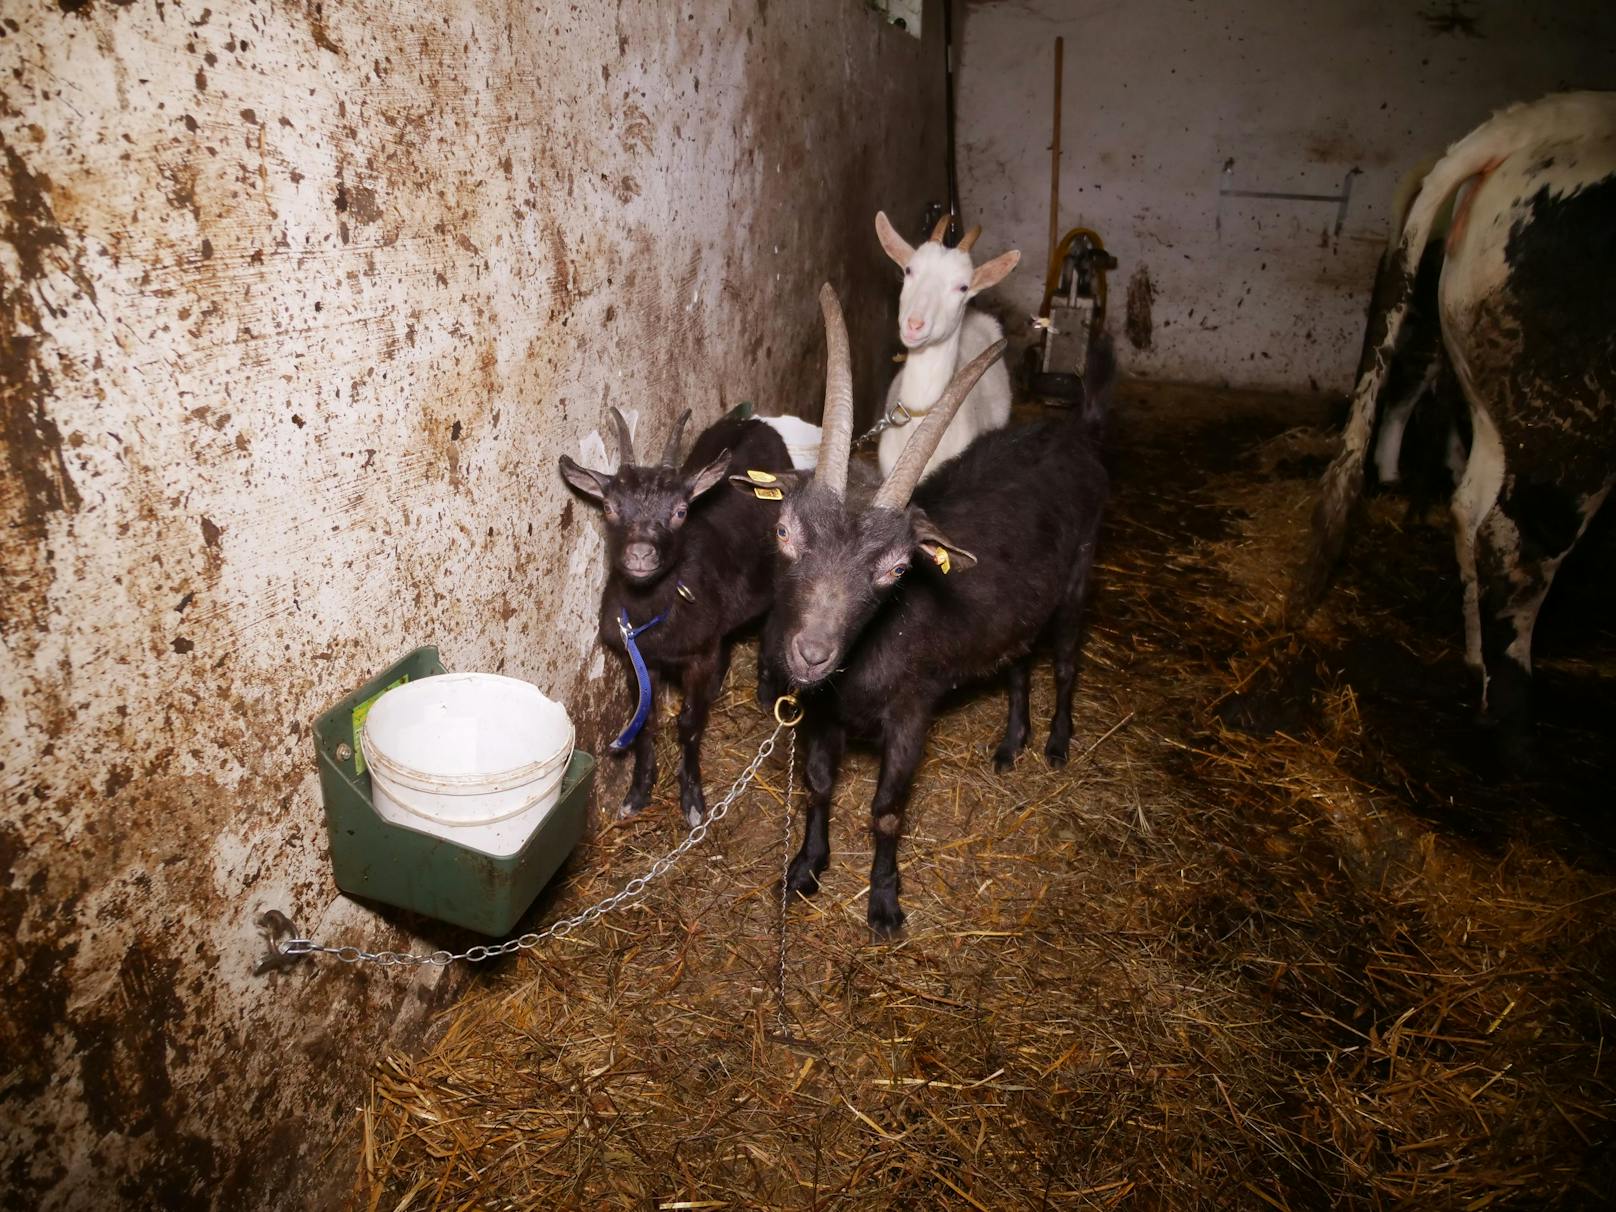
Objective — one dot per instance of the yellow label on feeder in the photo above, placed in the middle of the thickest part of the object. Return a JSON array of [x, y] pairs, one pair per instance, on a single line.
[[769, 494], [941, 556], [760, 477]]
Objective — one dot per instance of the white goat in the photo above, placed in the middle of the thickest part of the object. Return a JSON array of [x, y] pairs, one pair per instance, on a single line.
[[941, 334]]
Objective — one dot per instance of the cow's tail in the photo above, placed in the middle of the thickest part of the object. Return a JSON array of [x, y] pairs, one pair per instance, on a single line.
[[1477, 153]]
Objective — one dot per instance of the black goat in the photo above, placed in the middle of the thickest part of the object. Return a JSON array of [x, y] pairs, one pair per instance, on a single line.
[[701, 565], [882, 608]]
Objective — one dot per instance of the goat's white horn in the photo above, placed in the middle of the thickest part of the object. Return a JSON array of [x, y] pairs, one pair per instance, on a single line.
[[625, 441], [900, 485], [969, 238], [670, 452], [836, 441], [941, 230]]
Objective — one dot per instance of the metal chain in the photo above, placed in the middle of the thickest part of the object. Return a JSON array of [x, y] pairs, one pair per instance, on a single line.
[[629, 892], [895, 417], [785, 872]]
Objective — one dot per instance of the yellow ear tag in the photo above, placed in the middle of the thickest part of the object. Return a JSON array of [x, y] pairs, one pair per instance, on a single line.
[[760, 477], [941, 556], [769, 494]]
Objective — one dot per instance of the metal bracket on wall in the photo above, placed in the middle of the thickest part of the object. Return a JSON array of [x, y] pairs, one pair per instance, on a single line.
[[1226, 189]]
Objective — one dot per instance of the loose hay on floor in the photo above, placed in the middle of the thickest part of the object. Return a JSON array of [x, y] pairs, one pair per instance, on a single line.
[[1195, 969]]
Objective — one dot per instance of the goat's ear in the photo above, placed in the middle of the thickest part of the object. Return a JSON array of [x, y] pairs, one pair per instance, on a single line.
[[938, 547], [707, 476], [768, 485], [897, 247], [991, 273], [593, 484]]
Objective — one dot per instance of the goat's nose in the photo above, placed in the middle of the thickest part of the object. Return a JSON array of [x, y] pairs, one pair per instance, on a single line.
[[640, 556], [914, 324], [810, 651]]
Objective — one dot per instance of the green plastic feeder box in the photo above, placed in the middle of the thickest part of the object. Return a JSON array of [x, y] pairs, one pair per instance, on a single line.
[[388, 861]]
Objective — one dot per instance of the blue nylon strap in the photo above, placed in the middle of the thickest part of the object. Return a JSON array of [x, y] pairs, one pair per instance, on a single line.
[[641, 675]]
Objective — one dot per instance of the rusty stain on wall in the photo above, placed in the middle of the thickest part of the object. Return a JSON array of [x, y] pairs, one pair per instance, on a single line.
[[298, 306], [1136, 321]]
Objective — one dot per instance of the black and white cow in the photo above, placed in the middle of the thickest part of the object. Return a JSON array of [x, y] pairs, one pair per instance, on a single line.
[[1422, 429], [1527, 306]]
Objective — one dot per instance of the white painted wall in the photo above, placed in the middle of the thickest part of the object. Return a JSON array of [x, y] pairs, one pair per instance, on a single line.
[[299, 303], [1161, 94]]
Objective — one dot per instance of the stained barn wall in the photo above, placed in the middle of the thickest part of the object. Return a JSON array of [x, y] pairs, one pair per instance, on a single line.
[[300, 303], [1161, 96]]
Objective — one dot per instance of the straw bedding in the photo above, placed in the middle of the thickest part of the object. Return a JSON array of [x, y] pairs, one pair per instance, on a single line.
[[1347, 961]]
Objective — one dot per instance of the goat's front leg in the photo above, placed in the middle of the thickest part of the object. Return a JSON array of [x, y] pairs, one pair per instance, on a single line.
[[1016, 728], [643, 747], [701, 679], [772, 681], [900, 756], [824, 744]]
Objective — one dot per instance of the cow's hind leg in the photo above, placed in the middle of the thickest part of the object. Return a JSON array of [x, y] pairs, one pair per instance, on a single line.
[[1519, 546], [1473, 500]]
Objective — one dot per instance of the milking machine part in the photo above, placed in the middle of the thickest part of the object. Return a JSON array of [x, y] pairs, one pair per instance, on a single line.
[[1073, 308]]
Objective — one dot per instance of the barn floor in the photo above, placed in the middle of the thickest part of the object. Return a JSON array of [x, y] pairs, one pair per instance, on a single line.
[[1354, 962]]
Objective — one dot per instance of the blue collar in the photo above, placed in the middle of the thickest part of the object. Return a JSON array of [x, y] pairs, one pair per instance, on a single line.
[[642, 675]]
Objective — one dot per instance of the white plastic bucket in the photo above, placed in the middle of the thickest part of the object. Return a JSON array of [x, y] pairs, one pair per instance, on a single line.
[[474, 757], [801, 439]]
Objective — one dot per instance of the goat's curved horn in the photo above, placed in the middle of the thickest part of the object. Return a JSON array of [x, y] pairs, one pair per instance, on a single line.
[[625, 441], [969, 238], [836, 440], [900, 485], [670, 452], [941, 230]]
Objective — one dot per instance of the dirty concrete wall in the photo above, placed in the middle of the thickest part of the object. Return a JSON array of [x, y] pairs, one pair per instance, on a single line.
[[1161, 97], [300, 303]]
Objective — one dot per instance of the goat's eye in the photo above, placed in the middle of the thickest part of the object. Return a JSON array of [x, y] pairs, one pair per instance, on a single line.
[[908, 273], [679, 512], [899, 569], [780, 532], [964, 288]]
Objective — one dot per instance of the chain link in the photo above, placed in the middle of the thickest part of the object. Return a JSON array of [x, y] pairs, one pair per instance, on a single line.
[[785, 873], [895, 417], [630, 891]]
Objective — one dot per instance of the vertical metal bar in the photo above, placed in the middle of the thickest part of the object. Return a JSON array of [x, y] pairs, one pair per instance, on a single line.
[[948, 103], [1054, 159]]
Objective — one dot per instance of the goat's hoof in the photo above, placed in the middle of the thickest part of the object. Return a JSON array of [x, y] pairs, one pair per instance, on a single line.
[[1004, 757], [801, 878], [632, 806], [694, 814], [1056, 754], [884, 916]]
